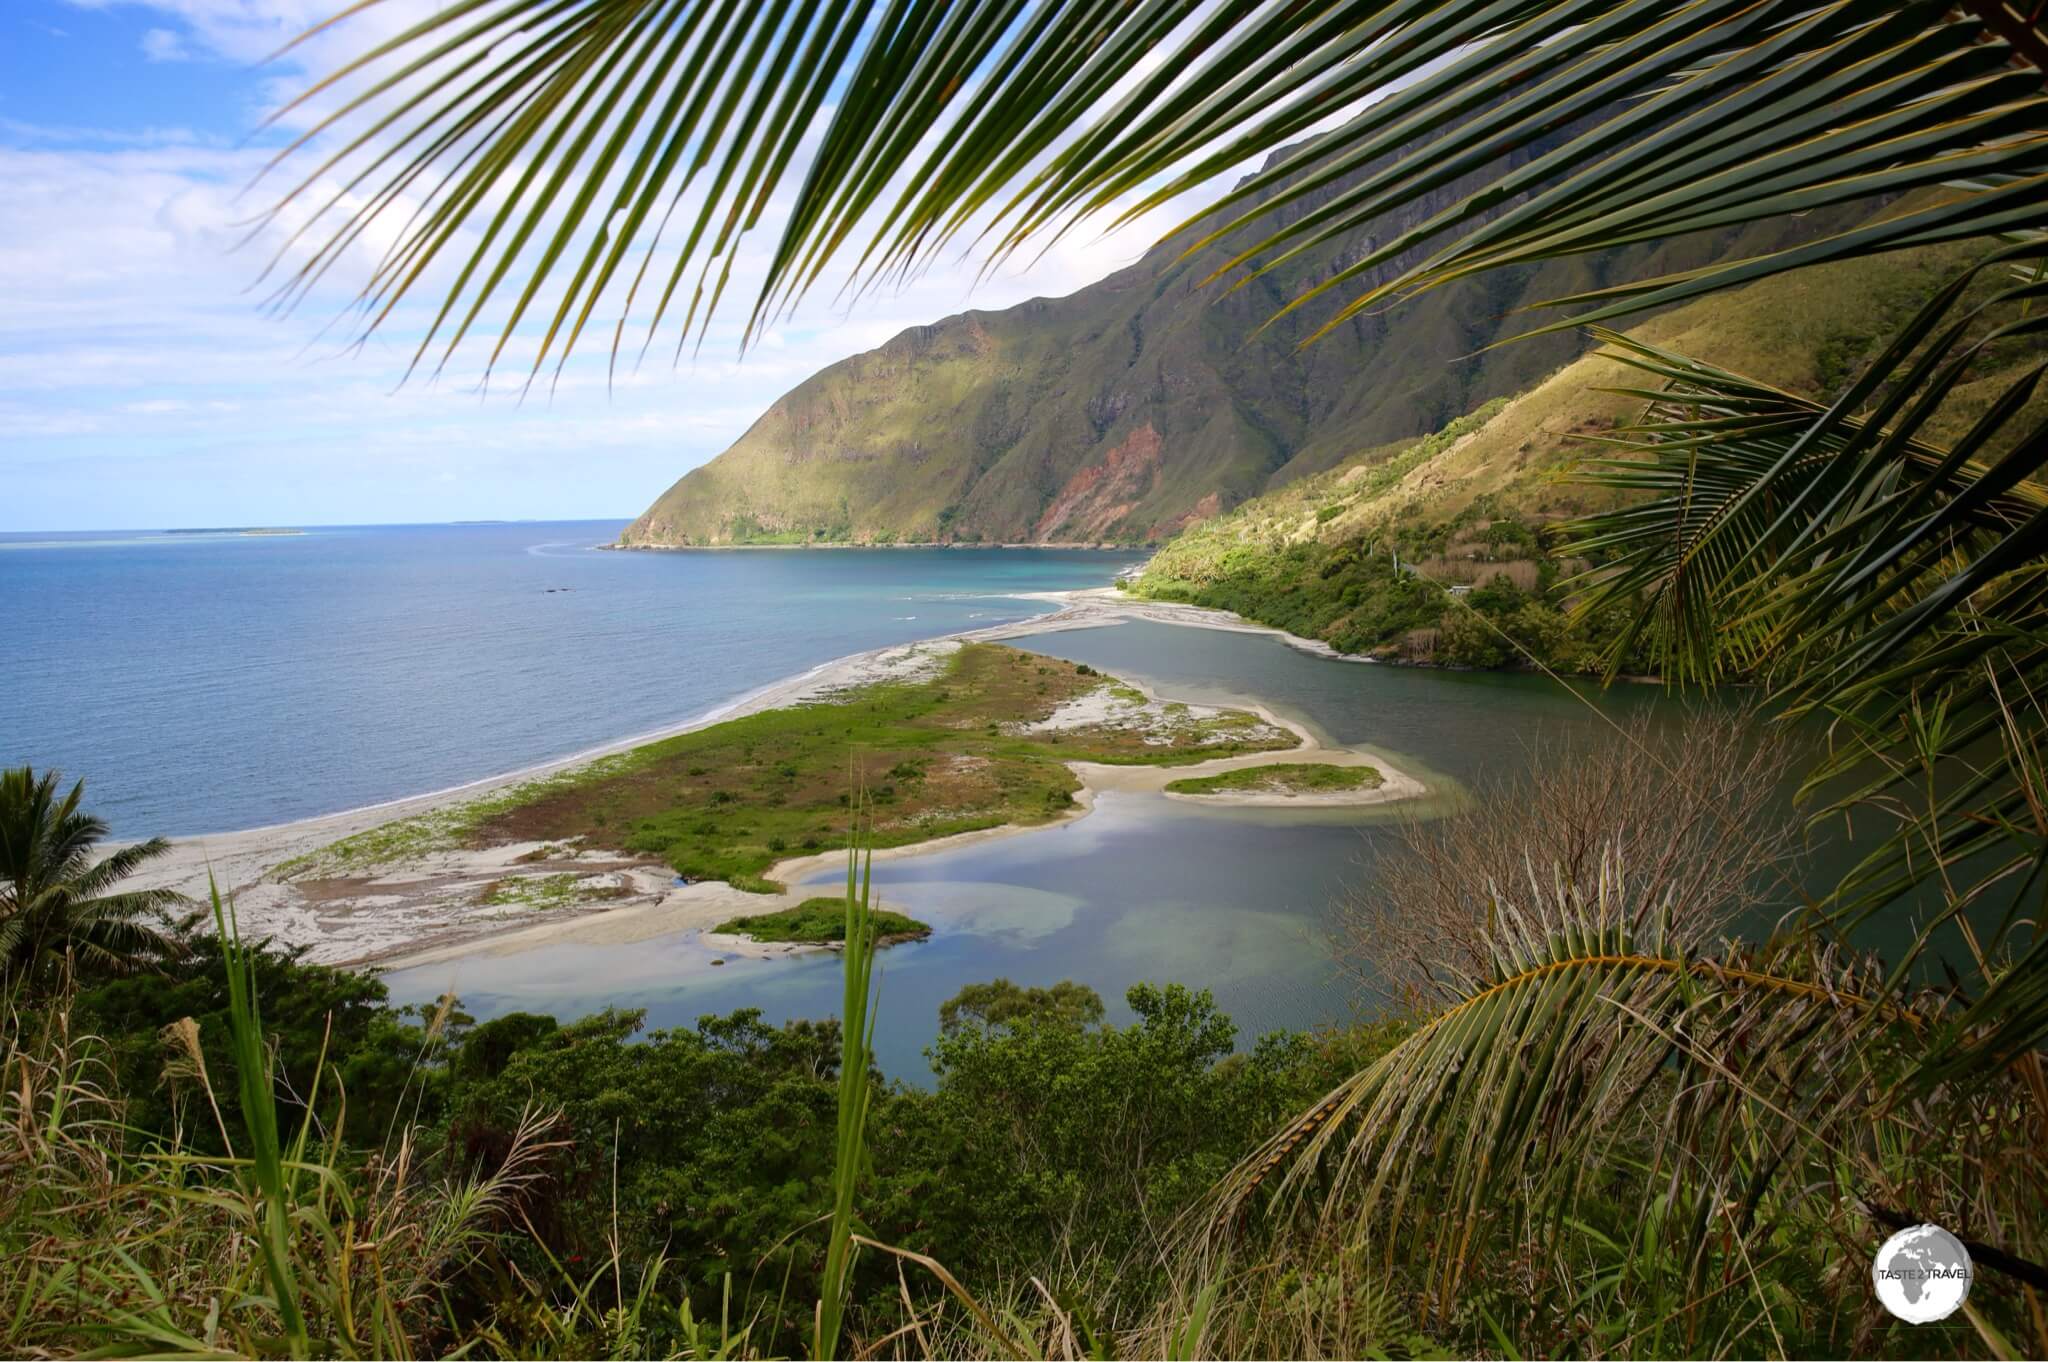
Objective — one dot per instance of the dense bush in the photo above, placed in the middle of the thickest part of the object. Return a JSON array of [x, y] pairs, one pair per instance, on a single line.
[[693, 1157], [586, 1189], [311, 1012], [1368, 594]]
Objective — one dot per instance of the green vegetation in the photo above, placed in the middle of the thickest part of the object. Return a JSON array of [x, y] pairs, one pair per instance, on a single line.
[[1473, 591], [1608, 1129], [548, 891], [951, 753], [1295, 777], [1000, 1002], [411, 1182], [1327, 558], [58, 901], [502, 1187], [817, 921]]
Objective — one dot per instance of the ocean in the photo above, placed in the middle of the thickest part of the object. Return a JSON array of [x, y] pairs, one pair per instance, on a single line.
[[210, 682], [206, 682]]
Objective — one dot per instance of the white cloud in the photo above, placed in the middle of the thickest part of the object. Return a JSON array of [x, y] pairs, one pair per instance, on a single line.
[[161, 44], [133, 355]]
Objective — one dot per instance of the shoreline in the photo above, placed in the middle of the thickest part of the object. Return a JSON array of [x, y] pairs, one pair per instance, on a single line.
[[353, 930], [700, 907], [1070, 546]]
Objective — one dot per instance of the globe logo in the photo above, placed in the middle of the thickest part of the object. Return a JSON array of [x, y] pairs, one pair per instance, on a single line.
[[1922, 1274]]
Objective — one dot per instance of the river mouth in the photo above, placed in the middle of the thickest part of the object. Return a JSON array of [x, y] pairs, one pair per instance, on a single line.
[[1237, 900]]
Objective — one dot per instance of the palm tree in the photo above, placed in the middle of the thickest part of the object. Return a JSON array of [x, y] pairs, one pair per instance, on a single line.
[[57, 901], [571, 160], [567, 155]]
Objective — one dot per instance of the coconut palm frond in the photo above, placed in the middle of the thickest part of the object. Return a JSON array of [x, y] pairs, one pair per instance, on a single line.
[[55, 897], [1591, 1045], [1878, 576], [581, 161], [95, 879], [1770, 525]]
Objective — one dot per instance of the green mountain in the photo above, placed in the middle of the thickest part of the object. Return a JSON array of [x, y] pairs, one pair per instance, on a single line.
[[1362, 555], [1135, 406]]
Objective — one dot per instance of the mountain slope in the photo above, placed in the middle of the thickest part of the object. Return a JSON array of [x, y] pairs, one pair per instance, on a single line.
[[1465, 507], [1134, 406]]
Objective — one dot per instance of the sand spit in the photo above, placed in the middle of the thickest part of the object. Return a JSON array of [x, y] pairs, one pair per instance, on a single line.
[[438, 905]]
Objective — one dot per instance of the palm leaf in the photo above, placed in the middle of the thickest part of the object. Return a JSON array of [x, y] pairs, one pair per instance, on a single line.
[[1590, 1044], [1883, 579], [542, 143]]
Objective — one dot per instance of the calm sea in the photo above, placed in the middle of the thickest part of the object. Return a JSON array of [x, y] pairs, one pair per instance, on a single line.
[[214, 681]]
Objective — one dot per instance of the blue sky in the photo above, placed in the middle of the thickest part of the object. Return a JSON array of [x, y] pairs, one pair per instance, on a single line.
[[141, 385]]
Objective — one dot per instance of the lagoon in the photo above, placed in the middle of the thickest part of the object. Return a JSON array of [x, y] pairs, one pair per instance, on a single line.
[[207, 682], [1142, 889]]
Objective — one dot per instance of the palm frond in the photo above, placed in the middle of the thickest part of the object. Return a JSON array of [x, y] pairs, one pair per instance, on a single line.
[[1872, 574], [1589, 1045], [119, 865], [1760, 513], [537, 146]]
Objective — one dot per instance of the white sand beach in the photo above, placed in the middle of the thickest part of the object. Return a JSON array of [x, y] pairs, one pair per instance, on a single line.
[[428, 907]]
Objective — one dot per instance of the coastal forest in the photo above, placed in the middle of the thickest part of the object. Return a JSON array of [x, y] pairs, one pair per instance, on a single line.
[[1694, 346]]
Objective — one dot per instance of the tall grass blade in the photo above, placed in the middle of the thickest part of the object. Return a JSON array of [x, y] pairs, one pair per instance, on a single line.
[[259, 1112], [856, 1033]]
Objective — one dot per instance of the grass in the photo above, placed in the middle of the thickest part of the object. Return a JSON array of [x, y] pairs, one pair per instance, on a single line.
[[1304, 778], [937, 756], [822, 920], [548, 891], [856, 1090], [286, 1246], [436, 830]]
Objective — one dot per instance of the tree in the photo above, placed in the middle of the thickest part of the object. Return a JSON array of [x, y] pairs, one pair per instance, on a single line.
[[1867, 571], [1003, 1003], [57, 901], [1468, 640], [321, 1025]]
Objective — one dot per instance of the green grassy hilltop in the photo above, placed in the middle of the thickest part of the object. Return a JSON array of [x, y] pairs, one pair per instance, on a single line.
[[1362, 555]]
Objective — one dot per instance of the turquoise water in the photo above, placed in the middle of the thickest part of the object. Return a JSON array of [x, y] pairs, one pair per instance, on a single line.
[[1238, 901], [207, 682]]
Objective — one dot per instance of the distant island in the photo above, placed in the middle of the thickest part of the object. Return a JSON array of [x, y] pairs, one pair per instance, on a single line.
[[237, 529]]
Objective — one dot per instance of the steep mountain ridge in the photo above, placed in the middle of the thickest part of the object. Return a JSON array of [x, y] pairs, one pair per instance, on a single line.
[[1137, 405], [1366, 555]]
